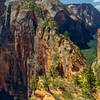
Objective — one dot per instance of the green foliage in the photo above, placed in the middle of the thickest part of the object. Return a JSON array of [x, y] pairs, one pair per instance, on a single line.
[[67, 95], [4, 14], [77, 80], [29, 4], [91, 53], [86, 83], [59, 83], [31, 99], [53, 74], [97, 72], [53, 71], [53, 80], [46, 81], [66, 34], [91, 78], [56, 59], [32, 6], [34, 83], [88, 93], [46, 24]]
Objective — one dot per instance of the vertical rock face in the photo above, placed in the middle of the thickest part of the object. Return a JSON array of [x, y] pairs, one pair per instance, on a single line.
[[16, 48], [2, 14], [98, 53], [28, 44]]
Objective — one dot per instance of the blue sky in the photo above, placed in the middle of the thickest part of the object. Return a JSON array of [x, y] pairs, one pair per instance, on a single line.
[[96, 3]]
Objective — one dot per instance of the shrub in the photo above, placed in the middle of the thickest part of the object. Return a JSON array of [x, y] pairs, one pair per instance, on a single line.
[[34, 83], [88, 93], [59, 83], [87, 83], [66, 34], [46, 82], [91, 78], [67, 95], [91, 53], [76, 80], [89, 86], [53, 70], [46, 24], [90, 83], [97, 73], [56, 59], [32, 98]]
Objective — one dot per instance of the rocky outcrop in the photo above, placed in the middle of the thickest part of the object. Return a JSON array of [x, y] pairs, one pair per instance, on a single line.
[[77, 30], [80, 20], [96, 63], [82, 24], [96, 67], [28, 44], [85, 12], [98, 54]]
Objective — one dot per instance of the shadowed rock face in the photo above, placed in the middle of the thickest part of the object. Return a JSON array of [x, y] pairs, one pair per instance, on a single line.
[[5, 96], [16, 47], [80, 20], [27, 47], [85, 12], [2, 10], [78, 32]]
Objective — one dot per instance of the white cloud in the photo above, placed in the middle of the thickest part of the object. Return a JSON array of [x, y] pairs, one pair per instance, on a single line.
[[98, 7], [96, 0]]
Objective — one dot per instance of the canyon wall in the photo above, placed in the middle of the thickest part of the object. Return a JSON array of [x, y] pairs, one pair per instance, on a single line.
[[28, 44], [81, 21]]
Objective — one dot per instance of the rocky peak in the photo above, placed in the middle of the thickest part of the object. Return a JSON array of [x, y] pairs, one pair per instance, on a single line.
[[85, 12], [28, 44], [79, 20], [53, 6]]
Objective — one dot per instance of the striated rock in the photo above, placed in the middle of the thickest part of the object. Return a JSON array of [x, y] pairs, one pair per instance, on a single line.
[[96, 67], [85, 12], [98, 46], [80, 20], [53, 6], [28, 44], [96, 63], [77, 30]]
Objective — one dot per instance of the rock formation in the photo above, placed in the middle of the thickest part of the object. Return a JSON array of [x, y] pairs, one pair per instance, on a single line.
[[98, 48], [28, 44], [80, 20], [96, 66], [97, 61]]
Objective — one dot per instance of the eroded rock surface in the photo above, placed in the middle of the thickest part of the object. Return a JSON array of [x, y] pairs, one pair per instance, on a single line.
[[28, 43]]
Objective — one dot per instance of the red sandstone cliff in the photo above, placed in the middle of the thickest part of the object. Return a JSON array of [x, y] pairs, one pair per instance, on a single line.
[[28, 47]]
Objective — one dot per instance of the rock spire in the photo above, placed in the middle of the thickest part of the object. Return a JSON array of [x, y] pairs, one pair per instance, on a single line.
[[98, 46]]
